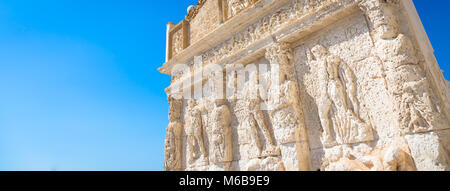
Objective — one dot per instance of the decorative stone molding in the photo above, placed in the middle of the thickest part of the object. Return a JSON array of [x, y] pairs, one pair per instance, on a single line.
[[263, 28]]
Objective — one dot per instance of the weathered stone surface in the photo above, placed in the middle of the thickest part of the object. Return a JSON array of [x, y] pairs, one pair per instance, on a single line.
[[430, 150], [334, 85], [207, 19]]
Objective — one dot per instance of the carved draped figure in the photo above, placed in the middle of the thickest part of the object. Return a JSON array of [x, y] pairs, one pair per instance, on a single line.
[[172, 147], [416, 108], [194, 131], [221, 135], [338, 116], [256, 120]]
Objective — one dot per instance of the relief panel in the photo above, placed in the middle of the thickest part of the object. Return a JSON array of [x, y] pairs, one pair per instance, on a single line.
[[233, 7], [329, 65], [208, 18], [178, 38]]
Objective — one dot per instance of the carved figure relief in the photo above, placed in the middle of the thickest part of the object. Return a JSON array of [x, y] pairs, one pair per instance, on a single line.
[[194, 131], [221, 133], [417, 111], [178, 39], [264, 27], [236, 6], [172, 147], [173, 141], [376, 103], [338, 116], [256, 119], [174, 108], [177, 46], [284, 105]]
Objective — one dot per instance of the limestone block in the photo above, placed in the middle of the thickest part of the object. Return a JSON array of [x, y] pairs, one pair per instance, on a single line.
[[430, 150]]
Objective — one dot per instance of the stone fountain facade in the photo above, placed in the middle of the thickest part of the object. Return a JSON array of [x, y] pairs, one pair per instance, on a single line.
[[304, 85]]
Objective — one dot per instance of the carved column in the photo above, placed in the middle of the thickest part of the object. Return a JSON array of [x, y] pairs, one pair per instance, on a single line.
[[285, 108], [416, 107]]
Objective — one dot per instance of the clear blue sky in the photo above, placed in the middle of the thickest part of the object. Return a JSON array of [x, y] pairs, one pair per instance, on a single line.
[[79, 86]]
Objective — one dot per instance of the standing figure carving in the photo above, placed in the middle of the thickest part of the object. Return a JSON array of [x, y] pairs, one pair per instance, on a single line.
[[172, 147], [284, 94], [256, 119], [285, 107], [221, 133], [194, 131], [173, 141], [416, 108], [338, 105]]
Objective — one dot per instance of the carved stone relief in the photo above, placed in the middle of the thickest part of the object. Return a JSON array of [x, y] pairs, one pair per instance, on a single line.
[[351, 93], [415, 103], [173, 141], [194, 131], [416, 107], [178, 38], [234, 7], [338, 106], [361, 75], [256, 119], [263, 28], [221, 136], [172, 147], [285, 108], [205, 17], [177, 46]]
